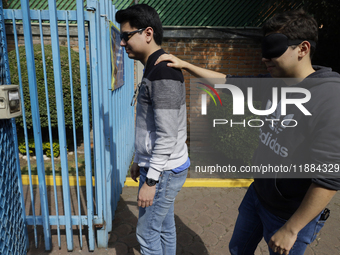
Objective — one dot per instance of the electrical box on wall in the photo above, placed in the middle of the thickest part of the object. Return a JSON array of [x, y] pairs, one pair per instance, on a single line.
[[10, 103]]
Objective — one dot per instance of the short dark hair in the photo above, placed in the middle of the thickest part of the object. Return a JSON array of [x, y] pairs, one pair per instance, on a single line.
[[142, 16], [296, 24]]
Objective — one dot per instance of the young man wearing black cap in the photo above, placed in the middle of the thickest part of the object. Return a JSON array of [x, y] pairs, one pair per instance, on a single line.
[[161, 156], [288, 213]]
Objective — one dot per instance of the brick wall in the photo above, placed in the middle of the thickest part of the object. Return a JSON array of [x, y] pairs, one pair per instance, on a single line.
[[238, 57], [221, 52]]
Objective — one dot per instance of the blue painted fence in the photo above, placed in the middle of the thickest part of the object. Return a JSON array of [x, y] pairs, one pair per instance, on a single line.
[[13, 231], [112, 121]]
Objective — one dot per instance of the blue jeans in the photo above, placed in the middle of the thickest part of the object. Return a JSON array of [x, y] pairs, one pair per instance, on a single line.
[[156, 231], [255, 222]]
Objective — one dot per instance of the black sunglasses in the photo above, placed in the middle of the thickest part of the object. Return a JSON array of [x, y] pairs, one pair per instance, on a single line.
[[127, 35]]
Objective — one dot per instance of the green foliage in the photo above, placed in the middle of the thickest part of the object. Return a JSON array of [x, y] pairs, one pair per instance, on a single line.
[[22, 146], [4, 4], [46, 148], [50, 82], [236, 142]]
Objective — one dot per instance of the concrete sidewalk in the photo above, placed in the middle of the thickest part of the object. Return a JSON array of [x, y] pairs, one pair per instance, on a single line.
[[205, 219]]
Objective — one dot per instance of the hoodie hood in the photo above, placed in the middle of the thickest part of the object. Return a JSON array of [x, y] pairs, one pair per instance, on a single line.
[[321, 76], [323, 72]]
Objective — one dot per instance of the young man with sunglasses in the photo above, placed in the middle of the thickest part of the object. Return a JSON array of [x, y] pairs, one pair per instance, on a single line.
[[289, 213], [161, 156]]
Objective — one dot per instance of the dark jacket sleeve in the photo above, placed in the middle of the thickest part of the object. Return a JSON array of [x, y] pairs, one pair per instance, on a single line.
[[325, 144]]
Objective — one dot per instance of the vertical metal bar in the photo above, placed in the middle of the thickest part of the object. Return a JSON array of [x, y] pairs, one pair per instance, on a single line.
[[124, 166], [129, 81], [117, 151], [118, 130], [89, 190], [108, 138], [102, 233], [113, 144], [61, 121], [115, 129], [12, 121], [121, 132], [86, 120], [96, 77], [25, 128], [49, 126], [74, 127], [113, 149], [36, 120], [99, 117]]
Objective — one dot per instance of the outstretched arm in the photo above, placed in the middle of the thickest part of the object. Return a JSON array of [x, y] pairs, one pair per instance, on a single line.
[[196, 71], [315, 200]]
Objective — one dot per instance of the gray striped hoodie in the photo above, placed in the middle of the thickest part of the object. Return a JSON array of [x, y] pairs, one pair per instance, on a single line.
[[161, 121]]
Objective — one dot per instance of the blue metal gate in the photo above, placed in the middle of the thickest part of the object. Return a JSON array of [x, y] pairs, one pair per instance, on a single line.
[[13, 232], [112, 121]]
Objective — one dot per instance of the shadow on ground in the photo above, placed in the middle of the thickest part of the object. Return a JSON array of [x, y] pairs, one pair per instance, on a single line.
[[123, 237]]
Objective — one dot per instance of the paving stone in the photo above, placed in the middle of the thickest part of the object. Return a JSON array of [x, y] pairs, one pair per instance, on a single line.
[[264, 251], [134, 251], [179, 249], [134, 212], [226, 238], [263, 247], [196, 249], [118, 249], [326, 247], [132, 220], [309, 251], [196, 228], [204, 220], [185, 253], [180, 205], [219, 249], [113, 237], [208, 200], [232, 211], [224, 202], [217, 229], [209, 238], [188, 201], [204, 191], [191, 213], [197, 239], [184, 238], [258, 251], [220, 206], [195, 194], [130, 240], [226, 221], [214, 212], [123, 229], [181, 223], [201, 207]]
